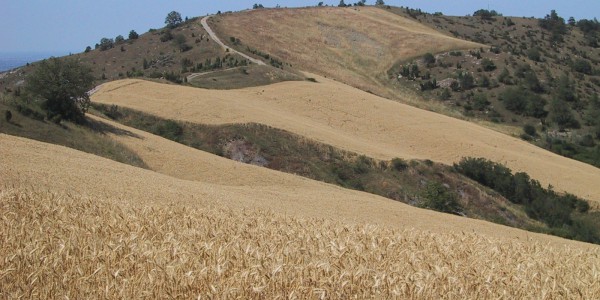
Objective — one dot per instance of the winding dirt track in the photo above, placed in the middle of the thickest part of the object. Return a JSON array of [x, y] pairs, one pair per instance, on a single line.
[[350, 119], [215, 38]]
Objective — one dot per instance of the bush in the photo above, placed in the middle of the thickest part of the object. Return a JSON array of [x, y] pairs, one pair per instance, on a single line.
[[582, 66], [529, 130], [438, 197], [429, 59], [8, 116], [488, 65], [399, 164]]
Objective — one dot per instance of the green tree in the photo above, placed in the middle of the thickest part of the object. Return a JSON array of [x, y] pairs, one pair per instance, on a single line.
[[561, 114], [379, 2], [342, 3], [61, 86], [173, 19], [429, 59], [133, 35], [106, 43], [119, 39]]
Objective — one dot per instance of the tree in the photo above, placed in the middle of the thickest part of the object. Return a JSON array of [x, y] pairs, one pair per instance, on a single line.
[[173, 19], [379, 2], [320, 3], [106, 43], [342, 3], [561, 114], [119, 39], [133, 35], [88, 49], [429, 59], [61, 86]]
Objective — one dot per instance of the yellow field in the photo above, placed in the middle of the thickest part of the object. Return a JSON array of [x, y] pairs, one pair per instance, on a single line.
[[354, 45], [349, 119], [79, 226]]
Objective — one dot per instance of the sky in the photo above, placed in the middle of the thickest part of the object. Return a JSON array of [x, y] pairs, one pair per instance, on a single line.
[[64, 26]]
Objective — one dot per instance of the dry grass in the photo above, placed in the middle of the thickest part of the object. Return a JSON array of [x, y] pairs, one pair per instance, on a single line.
[[57, 246], [354, 45], [349, 119]]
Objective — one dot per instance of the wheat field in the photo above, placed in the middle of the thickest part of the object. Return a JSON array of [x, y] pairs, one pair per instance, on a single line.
[[57, 246], [349, 119], [74, 225]]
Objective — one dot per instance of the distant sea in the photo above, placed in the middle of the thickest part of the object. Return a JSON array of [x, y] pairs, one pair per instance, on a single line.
[[11, 60]]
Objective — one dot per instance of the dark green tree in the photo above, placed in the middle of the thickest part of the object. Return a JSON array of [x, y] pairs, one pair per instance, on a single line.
[[342, 3], [119, 39], [379, 2], [561, 114], [173, 19], [61, 86], [106, 43], [133, 35]]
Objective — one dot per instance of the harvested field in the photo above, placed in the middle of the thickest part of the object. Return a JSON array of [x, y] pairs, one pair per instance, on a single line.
[[354, 45], [346, 118], [56, 246]]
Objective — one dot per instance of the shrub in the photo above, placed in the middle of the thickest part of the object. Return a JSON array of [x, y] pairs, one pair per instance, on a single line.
[[8, 116], [488, 65], [399, 164], [529, 129], [438, 197], [429, 59]]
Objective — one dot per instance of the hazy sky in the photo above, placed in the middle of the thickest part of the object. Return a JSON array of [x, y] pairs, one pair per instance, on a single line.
[[71, 25]]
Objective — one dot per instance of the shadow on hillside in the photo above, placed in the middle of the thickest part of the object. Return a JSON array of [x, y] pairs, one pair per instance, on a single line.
[[104, 128]]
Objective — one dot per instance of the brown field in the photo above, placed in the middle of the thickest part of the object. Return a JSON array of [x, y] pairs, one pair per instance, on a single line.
[[349, 119], [79, 226], [354, 45]]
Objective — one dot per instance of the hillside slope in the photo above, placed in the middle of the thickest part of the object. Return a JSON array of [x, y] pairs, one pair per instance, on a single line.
[[353, 45], [28, 162], [346, 118], [157, 235]]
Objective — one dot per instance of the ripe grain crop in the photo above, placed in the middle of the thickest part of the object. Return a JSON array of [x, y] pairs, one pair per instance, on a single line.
[[346, 118], [60, 246]]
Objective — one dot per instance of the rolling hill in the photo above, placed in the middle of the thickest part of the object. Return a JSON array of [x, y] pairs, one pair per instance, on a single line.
[[353, 45], [142, 222], [350, 119]]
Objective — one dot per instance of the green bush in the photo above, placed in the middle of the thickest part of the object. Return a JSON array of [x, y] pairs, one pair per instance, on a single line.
[[438, 197], [399, 164], [529, 129]]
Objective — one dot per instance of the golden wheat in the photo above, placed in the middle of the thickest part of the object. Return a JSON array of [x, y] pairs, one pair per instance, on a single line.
[[56, 246]]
